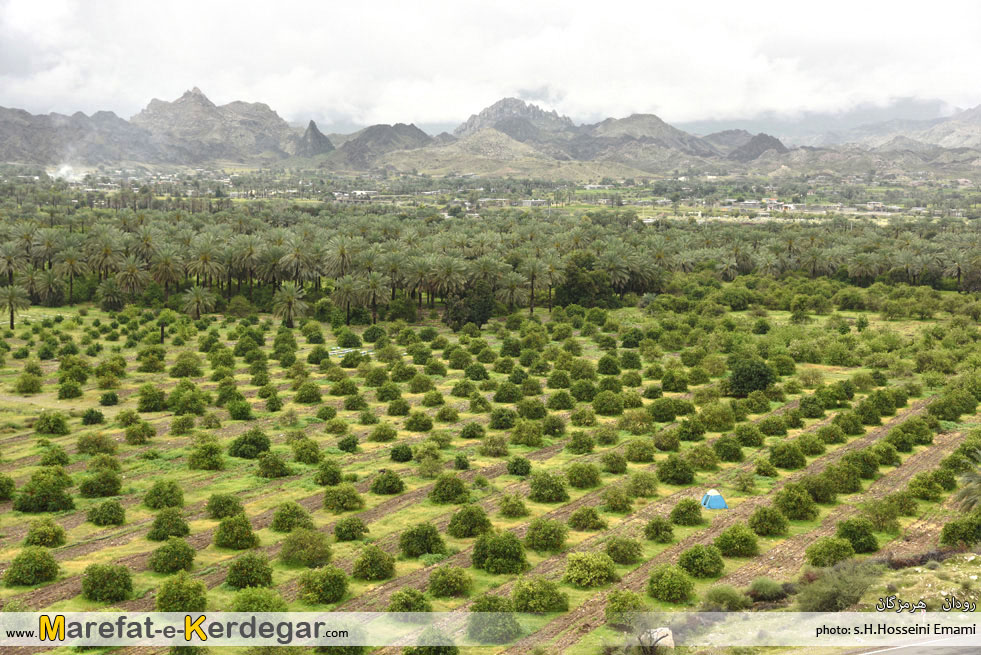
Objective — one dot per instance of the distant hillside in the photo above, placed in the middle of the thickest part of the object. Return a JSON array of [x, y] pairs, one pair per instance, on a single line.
[[728, 140], [756, 146], [205, 131], [510, 137], [517, 119], [377, 140]]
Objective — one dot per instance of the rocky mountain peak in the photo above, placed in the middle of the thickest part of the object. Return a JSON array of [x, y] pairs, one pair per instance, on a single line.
[[756, 146], [313, 142], [507, 112]]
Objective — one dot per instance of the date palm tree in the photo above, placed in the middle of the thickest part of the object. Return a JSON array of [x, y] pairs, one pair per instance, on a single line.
[[197, 301], [205, 261], [554, 274], [247, 250], [375, 285], [288, 303], [11, 260], [49, 285], [72, 263], [534, 270], [167, 268], [513, 289], [347, 292], [340, 255], [14, 298], [968, 496], [132, 277]]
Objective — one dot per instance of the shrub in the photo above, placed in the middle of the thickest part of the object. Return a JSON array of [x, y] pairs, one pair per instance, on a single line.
[[580, 443], [836, 589], [220, 506], [659, 530], [724, 598], [675, 470], [772, 426], [795, 503], [499, 552], [373, 563], [33, 565], [240, 410], [448, 488], [545, 535], [642, 484], [409, 600], [828, 551], [235, 532], [787, 455], [469, 521], [512, 506], [174, 555], [51, 422], [350, 528], [329, 472], [670, 584], [45, 492], [518, 465], [181, 593], [767, 521], [169, 522], [94, 444], [110, 512], [448, 581], [7, 487], [106, 583], [290, 516], [701, 561], [614, 462], [737, 540], [249, 445], [586, 518], [421, 539], [583, 475], [492, 620], [621, 606], [608, 403], [623, 550], [92, 416], [587, 570], [258, 599], [547, 487], [139, 433], [164, 493], [767, 590], [688, 511], [45, 532], [388, 483], [419, 421], [859, 533], [306, 547], [639, 450], [342, 498], [538, 596]]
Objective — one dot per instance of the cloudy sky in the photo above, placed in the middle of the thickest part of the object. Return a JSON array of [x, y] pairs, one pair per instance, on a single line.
[[435, 62]]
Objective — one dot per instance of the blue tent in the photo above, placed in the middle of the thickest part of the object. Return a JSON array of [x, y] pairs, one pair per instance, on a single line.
[[713, 500]]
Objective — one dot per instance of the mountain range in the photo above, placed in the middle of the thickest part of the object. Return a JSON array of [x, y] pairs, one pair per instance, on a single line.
[[510, 137]]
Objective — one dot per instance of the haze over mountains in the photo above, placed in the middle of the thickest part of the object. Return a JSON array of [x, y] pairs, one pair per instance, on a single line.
[[508, 137]]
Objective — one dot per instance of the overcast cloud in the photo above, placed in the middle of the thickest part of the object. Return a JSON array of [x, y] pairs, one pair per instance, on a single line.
[[439, 62]]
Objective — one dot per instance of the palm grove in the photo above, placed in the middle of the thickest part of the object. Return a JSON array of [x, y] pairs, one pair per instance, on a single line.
[[380, 262]]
